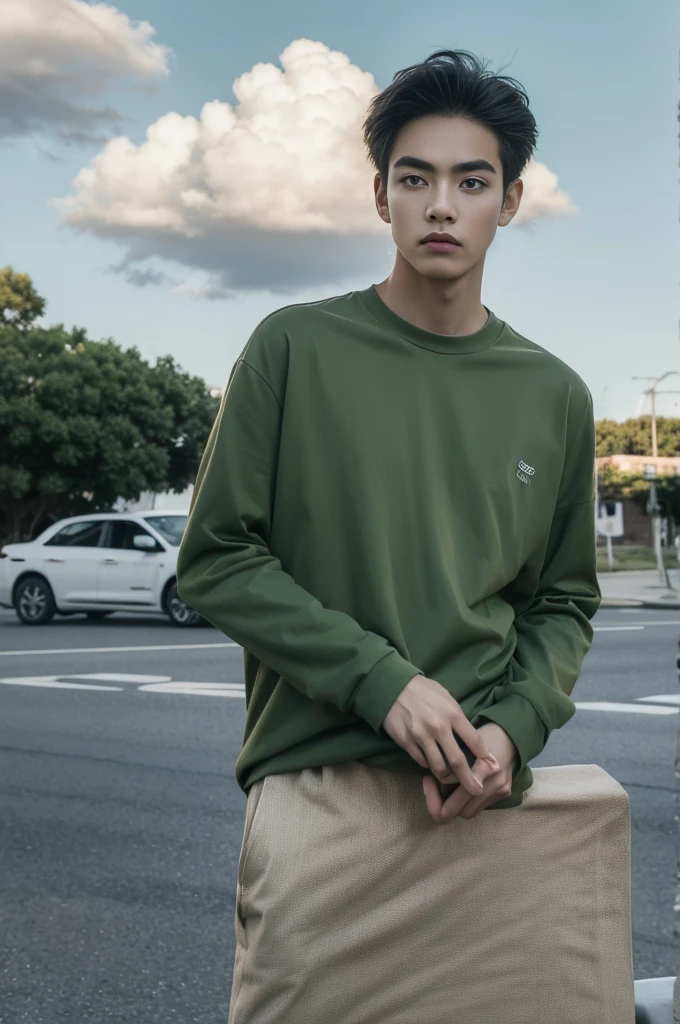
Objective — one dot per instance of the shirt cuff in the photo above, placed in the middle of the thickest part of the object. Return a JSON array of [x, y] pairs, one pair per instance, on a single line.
[[520, 720], [381, 687]]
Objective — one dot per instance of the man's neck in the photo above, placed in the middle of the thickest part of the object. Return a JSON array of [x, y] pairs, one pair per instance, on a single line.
[[443, 307]]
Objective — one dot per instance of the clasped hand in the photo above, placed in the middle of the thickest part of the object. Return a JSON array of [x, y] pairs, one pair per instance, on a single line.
[[425, 720], [446, 800]]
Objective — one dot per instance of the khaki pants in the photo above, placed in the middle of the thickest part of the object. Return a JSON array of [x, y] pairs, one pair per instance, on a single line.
[[354, 907]]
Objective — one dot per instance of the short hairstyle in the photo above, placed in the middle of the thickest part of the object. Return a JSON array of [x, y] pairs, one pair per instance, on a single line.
[[452, 83]]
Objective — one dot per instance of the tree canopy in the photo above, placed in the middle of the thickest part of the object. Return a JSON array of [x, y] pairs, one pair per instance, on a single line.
[[20, 303], [634, 436], [85, 422]]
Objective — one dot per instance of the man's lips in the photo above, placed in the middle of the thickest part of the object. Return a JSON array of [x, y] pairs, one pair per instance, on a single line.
[[440, 242], [441, 246]]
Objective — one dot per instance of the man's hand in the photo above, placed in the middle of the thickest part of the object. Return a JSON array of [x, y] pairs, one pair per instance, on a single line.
[[423, 720], [496, 784]]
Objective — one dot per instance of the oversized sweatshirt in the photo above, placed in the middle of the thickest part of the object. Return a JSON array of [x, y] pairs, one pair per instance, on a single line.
[[377, 501]]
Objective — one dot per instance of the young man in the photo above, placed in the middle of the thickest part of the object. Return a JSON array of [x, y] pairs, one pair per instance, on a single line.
[[394, 517]]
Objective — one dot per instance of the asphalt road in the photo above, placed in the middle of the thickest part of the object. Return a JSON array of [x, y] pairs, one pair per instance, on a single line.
[[121, 821]]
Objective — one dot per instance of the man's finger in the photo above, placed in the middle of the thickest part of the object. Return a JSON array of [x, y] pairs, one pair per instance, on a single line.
[[473, 806], [457, 763], [455, 803], [437, 804], [433, 799]]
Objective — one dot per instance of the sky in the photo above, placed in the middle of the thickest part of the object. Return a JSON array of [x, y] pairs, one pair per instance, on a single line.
[[172, 173]]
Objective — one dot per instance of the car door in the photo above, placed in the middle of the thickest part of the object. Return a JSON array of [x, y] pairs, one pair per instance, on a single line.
[[69, 561], [127, 576]]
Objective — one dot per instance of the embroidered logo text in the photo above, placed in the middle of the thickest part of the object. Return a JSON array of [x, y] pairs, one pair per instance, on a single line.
[[524, 472]]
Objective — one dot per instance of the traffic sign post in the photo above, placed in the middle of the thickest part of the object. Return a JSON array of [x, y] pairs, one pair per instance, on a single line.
[[610, 524], [654, 509]]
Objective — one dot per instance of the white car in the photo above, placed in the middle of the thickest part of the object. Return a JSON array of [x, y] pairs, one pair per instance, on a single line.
[[98, 564]]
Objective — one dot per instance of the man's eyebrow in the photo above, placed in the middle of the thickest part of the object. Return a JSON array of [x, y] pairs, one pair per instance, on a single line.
[[425, 165]]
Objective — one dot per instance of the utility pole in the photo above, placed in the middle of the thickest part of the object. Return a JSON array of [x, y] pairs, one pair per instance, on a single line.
[[651, 473]]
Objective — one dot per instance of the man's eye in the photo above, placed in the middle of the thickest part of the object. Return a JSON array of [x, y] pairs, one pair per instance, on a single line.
[[475, 181], [413, 179]]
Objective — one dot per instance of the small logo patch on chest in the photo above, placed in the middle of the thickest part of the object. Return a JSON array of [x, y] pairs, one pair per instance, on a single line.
[[524, 472]]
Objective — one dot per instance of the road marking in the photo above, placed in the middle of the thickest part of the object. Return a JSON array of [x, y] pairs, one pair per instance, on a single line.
[[662, 698], [118, 677], [53, 682], [198, 689], [112, 650], [636, 610], [655, 622], [609, 629], [636, 709], [153, 684]]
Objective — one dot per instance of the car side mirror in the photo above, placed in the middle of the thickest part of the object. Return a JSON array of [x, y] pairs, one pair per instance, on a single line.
[[143, 542]]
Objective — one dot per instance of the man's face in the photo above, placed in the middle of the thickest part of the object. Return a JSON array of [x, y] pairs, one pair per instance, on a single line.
[[445, 177]]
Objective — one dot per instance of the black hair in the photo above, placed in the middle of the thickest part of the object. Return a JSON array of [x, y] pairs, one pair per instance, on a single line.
[[452, 83]]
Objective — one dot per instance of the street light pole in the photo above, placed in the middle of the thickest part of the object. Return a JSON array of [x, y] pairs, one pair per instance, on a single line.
[[651, 473], [652, 391]]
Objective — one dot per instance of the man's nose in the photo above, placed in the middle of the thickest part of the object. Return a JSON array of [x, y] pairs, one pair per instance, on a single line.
[[442, 207]]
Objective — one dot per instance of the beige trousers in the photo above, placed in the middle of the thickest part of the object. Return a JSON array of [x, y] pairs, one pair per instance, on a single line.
[[354, 907]]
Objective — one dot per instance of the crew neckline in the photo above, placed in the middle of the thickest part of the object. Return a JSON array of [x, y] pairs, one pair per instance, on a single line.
[[453, 344]]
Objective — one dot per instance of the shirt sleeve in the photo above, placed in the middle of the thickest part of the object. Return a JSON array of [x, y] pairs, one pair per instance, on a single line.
[[227, 573], [553, 630]]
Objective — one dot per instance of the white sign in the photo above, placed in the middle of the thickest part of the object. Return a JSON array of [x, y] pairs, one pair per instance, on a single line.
[[610, 519]]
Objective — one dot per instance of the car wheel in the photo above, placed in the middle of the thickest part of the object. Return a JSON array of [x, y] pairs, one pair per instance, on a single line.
[[96, 616], [34, 601], [179, 613]]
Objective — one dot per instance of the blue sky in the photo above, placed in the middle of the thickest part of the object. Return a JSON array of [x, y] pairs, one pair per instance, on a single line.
[[598, 288]]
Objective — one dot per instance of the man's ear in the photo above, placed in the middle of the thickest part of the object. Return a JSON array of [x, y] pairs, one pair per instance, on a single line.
[[511, 202], [381, 199]]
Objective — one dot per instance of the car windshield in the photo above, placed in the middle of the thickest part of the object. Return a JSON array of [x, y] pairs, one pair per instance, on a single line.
[[169, 527]]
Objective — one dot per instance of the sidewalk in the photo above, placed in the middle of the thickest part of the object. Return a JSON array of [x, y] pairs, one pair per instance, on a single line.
[[640, 588]]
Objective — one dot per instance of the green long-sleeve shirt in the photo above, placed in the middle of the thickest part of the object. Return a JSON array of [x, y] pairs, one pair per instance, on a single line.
[[377, 501]]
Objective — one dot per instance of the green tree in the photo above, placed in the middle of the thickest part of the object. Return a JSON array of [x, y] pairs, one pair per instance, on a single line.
[[634, 436], [20, 303], [85, 422]]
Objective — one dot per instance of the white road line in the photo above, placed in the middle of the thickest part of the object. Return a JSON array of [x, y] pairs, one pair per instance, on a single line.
[[112, 650], [154, 684], [662, 698], [609, 629], [119, 677], [198, 689], [636, 610], [637, 709], [654, 622], [49, 682]]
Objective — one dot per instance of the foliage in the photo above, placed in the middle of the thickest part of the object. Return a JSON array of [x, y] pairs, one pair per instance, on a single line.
[[83, 423], [634, 436], [628, 557], [20, 304]]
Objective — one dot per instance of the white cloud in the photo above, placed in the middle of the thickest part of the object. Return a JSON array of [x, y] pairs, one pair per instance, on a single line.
[[271, 192], [58, 56], [542, 196]]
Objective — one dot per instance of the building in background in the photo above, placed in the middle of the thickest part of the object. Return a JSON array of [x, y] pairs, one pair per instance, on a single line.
[[149, 500], [637, 524]]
